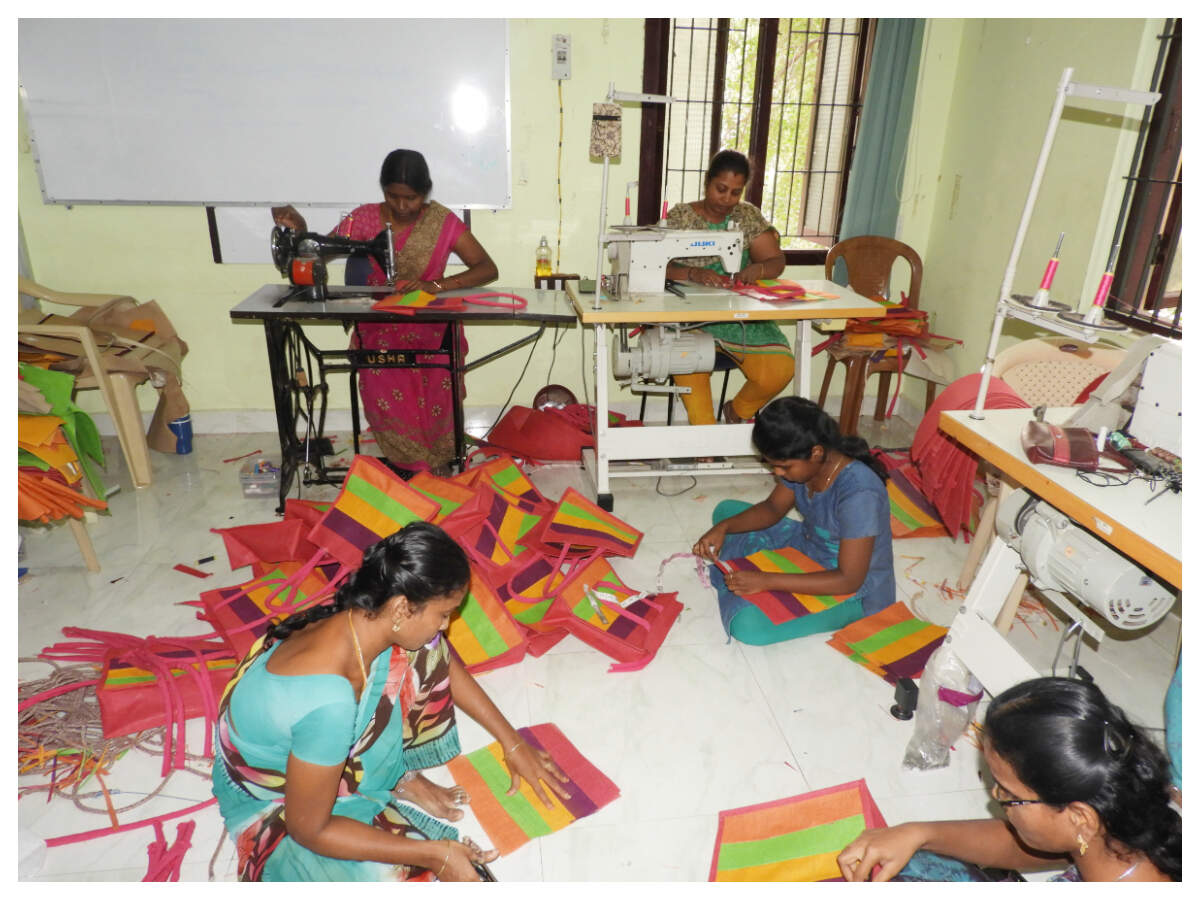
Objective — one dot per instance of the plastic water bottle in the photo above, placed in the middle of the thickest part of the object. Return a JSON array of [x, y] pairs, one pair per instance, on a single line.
[[182, 429], [543, 268]]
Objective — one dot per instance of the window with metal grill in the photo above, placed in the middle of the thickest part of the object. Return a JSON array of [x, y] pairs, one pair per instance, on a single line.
[[1147, 288], [786, 92]]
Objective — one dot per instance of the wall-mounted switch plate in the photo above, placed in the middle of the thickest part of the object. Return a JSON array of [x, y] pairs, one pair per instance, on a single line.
[[560, 63]]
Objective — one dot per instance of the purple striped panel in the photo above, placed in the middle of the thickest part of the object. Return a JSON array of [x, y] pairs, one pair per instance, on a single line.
[[579, 804], [592, 533], [350, 530], [911, 666], [789, 602], [623, 627]]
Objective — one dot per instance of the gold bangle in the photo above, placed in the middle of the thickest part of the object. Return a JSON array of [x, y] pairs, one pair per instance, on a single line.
[[437, 284], [438, 876], [514, 747]]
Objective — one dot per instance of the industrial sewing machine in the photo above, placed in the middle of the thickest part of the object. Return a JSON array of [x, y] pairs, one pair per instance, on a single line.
[[640, 253], [301, 255]]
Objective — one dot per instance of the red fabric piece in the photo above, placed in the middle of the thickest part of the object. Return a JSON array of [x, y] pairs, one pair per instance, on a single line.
[[308, 511], [1087, 391], [270, 542], [165, 861], [104, 832], [188, 570], [947, 469], [539, 434]]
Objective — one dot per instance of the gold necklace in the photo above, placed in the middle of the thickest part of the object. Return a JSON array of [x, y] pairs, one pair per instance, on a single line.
[[837, 467], [362, 667]]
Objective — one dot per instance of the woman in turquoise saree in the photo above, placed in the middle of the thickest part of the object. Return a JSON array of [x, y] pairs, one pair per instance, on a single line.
[[327, 721]]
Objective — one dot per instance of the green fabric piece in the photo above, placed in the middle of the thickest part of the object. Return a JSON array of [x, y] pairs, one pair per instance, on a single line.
[[828, 837], [25, 458], [78, 428], [482, 628], [377, 499], [498, 780], [872, 206], [888, 636]]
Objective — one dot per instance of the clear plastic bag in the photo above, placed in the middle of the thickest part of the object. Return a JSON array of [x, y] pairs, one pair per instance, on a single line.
[[939, 723]]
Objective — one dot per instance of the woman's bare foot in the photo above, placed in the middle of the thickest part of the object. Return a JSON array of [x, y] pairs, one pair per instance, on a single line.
[[436, 800]]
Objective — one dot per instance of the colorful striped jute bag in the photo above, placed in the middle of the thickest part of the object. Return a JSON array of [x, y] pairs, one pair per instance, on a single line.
[[449, 495], [528, 595], [912, 515], [783, 606], [506, 476], [512, 821], [892, 643], [628, 625], [483, 632], [374, 503], [242, 614], [493, 529], [796, 839], [578, 525]]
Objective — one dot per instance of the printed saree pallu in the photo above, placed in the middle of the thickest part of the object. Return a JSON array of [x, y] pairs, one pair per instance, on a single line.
[[404, 722]]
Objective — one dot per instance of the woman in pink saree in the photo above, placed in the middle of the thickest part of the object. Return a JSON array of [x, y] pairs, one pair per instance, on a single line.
[[410, 410]]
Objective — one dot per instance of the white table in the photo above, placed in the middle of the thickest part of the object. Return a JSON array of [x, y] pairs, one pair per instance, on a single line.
[[1151, 535], [699, 304]]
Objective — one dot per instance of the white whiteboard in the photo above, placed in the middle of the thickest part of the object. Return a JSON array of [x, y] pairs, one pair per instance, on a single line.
[[251, 111]]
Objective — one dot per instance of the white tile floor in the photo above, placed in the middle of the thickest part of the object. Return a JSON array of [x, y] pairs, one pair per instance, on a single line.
[[707, 726]]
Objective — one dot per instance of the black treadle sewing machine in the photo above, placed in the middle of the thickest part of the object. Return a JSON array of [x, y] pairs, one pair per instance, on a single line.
[[301, 255]]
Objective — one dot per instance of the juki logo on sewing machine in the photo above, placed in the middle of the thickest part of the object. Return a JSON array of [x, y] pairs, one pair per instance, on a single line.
[[702, 244]]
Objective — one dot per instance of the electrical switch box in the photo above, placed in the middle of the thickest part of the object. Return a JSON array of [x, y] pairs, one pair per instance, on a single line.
[[560, 64]]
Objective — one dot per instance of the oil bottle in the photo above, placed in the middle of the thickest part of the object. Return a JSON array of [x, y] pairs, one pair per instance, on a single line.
[[543, 268]]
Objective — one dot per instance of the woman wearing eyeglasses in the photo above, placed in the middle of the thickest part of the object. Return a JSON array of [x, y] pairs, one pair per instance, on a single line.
[[1078, 785]]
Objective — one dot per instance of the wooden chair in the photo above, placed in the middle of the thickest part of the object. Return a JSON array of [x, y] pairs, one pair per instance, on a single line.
[[117, 388], [869, 261]]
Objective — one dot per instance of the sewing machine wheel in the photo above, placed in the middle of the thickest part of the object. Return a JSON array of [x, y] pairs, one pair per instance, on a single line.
[[281, 247]]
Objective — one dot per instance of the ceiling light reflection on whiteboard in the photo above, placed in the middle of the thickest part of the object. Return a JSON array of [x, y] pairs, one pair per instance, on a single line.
[[468, 108]]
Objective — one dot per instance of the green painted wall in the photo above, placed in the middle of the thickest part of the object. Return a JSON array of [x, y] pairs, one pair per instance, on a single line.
[[984, 97], [1002, 88]]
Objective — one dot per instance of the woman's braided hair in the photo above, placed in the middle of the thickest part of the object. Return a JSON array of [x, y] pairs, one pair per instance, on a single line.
[[419, 561], [1068, 743], [789, 428]]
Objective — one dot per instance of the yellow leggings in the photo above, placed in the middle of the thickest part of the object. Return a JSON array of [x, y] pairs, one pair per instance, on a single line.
[[766, 375]]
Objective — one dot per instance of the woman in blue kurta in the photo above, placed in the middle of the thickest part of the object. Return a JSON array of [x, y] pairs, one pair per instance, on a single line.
[[838, 490], [326, 722]]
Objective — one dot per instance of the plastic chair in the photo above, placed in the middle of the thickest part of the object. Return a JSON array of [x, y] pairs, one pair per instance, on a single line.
[[1054, 371], [117, 388], [869, 261]]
